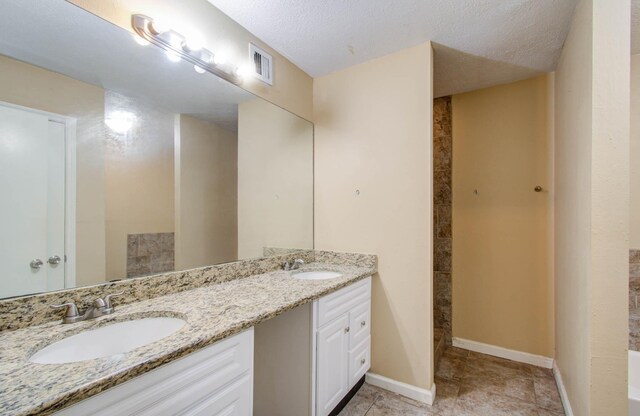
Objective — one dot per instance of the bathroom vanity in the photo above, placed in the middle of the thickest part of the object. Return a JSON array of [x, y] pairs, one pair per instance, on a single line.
[[236, 349], [219, 379]]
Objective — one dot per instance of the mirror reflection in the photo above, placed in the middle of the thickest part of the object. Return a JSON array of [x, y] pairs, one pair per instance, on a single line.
[[117, 162]]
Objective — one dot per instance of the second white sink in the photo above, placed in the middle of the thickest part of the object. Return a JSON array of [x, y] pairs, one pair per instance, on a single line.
[[316, 275], [108, 340]]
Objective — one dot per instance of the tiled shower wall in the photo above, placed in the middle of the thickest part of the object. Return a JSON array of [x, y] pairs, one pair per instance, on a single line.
[[442, 238], [150, 253], [634, 299]]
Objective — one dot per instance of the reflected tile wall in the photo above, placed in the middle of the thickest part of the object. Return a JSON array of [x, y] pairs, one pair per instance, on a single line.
[[442, 173], [634, 299], [150, 253]]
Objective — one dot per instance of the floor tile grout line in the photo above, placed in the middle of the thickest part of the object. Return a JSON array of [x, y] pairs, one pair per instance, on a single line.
[[372, 403]]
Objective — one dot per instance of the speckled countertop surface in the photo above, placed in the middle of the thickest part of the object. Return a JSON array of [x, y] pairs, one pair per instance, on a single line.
[[212, 313]]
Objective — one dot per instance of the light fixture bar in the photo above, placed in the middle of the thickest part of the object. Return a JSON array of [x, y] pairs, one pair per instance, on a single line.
[[174, 43]]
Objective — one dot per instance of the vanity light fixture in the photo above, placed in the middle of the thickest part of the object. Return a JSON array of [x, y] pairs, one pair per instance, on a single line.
[[178, 47]]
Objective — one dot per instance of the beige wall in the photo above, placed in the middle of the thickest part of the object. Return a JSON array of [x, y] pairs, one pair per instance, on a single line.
[[502, 285], [591, 212], [275, 177], [282, 364], [139, 179], [635, 153], [206, 194], [37, 88], [373, 134], [292, 88]]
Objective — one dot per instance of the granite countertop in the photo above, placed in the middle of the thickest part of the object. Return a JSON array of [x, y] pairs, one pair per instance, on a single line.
[[212, 313]]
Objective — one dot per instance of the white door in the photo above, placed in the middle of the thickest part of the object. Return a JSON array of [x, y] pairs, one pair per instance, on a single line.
[[32, 208], [333, 359]]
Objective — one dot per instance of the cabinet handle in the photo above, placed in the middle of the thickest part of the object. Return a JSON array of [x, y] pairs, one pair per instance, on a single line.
[[347, 329], [363, 361], [363, 323]]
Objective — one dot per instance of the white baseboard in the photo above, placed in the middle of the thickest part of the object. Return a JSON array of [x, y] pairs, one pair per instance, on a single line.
[[563, 392], [522, 357], [404, 389]]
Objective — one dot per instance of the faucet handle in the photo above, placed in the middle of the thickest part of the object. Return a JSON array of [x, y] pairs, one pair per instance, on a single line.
[[71, 309], [107, 299]]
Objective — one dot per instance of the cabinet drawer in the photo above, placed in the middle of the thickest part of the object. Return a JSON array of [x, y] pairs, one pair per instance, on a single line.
[[340, 302], [215, 379], [359, 323], [359, 361]]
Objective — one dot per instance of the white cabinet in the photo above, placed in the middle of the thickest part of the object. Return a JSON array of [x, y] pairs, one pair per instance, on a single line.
[[343, 343], [333, 363], [217, 380]]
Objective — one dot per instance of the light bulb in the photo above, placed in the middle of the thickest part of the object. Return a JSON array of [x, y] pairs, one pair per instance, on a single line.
[[206, 56], [243, 71], [192, 43], [219, 58], [173, 57], [158, 26], [175, 40], [199, 70]]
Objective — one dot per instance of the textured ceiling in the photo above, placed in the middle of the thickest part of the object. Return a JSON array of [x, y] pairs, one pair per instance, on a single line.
[[520, 36]]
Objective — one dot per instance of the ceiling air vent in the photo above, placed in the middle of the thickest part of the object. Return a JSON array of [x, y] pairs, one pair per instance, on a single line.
[[262, 64]]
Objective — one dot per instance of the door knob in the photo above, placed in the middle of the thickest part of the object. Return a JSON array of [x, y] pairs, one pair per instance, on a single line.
[[54, 260], [36, 264]]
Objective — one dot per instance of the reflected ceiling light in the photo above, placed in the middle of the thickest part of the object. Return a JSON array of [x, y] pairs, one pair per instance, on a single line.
[[181, 47], [199, 70], [120, 121]]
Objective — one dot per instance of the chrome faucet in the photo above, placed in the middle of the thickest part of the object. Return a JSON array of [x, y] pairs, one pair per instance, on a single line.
[[100, 307], [287, 266]]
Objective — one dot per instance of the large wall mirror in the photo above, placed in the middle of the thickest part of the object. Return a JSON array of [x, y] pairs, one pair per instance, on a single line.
[[117, 162]]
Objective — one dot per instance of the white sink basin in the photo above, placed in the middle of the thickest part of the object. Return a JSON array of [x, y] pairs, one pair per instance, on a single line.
[[316, 275], [108, 340]]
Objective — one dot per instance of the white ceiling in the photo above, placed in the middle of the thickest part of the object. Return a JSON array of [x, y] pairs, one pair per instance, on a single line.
[[521, 37]]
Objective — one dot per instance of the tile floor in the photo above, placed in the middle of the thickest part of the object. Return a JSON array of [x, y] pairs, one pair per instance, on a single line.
[[470, 383]]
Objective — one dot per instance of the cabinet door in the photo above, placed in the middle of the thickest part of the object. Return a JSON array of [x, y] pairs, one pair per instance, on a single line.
[[333, 358]]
